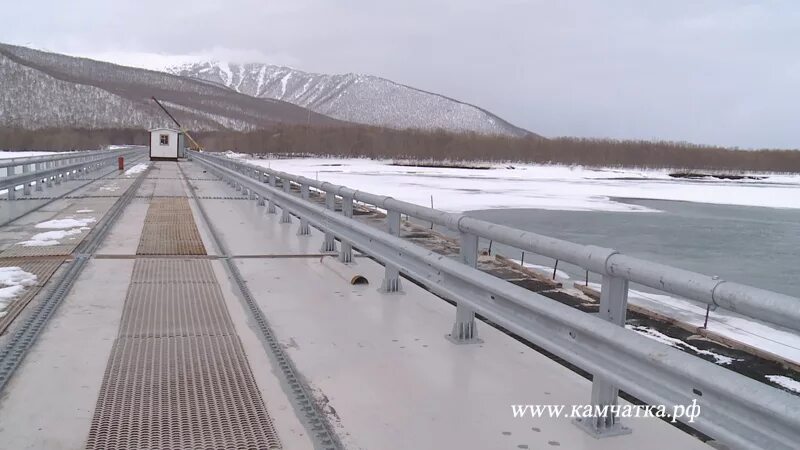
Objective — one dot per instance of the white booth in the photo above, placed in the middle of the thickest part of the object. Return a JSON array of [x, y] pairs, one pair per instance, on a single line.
[[166, 144]]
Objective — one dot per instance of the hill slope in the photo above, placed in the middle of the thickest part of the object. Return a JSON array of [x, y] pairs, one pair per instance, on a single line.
[[42, 90], [354, 98]]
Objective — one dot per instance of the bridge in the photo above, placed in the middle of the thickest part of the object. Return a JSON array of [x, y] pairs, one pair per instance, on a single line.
[[210, 303]]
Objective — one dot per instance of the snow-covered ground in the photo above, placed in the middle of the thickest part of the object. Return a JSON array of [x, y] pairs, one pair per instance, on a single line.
[[5, 154], [537, 186]]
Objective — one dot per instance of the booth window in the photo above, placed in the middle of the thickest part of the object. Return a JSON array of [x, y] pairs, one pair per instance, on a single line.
[[164, 139]]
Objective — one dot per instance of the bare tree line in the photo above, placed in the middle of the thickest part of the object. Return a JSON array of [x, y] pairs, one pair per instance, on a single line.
[[375, 142], [64, 139]]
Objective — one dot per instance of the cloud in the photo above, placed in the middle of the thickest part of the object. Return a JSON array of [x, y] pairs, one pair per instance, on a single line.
[[707, 71]]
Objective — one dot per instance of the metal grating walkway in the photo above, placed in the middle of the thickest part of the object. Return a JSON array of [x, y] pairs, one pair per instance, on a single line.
[[42, 268], [169, 229], [180, 393], [177, 377]]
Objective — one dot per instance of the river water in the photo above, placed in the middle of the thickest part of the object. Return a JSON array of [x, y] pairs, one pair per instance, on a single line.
[[751, 245]]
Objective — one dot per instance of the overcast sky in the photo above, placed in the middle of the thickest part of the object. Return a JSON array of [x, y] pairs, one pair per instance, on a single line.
[[706, 71]]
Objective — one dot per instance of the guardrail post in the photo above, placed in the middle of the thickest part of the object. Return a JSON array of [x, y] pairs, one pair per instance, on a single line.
[[464, 329], [271, 202], [346, 254], [613, 308], [304, 230], [391, 277], [12, 193], [329, 242], [26, 188], [261, 177], [285, 216], [39, 181]]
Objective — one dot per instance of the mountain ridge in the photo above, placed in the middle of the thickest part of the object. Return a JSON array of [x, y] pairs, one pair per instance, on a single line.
[[358, 98]]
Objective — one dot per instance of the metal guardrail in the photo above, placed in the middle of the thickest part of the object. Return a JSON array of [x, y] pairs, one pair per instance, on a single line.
[[736, 410], [24, 337], [20, 161], [40, 171]]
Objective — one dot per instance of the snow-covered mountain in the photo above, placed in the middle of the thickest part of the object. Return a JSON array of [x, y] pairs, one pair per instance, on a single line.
[[48, 90], [354, 98]]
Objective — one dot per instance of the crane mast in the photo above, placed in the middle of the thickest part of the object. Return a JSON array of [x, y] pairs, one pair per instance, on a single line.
[[195, 145]]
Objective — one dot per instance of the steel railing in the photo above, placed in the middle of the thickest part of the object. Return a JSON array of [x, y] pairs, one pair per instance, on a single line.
[[736, 410], [46, 170]]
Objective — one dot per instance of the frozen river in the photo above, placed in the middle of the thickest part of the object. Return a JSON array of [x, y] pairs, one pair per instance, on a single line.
[[751, 245]]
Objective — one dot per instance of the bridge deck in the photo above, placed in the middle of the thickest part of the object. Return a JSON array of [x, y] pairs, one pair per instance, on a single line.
[[377, 365]]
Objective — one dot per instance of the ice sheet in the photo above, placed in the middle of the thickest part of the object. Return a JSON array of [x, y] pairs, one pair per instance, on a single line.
[[537, 186]]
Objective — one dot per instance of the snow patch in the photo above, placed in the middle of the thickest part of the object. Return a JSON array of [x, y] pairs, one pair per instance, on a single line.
[[677, 343], [241, 79], [788, 383], [51, 237], [138, 168], [284, 81], [110, 188], [65, 223], [13, 281], [234, 155], [544, 269], [764, 336], [261, 74], [225, 70], [768, 337]]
